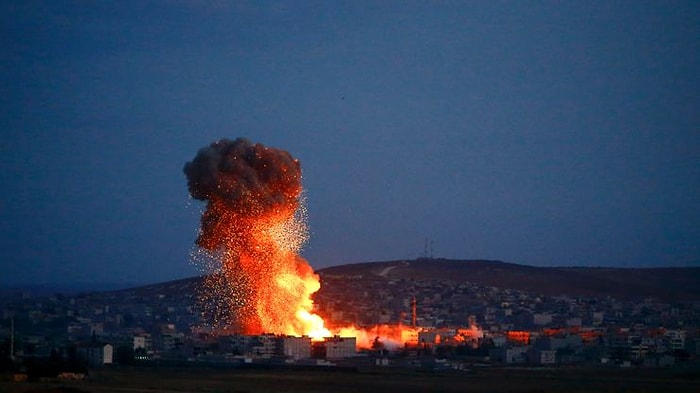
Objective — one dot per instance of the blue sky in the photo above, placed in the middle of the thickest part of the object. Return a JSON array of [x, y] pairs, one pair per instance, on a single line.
[[543, 133]]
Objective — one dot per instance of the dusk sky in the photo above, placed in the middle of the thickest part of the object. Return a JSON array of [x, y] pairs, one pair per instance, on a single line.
[[544, 133]]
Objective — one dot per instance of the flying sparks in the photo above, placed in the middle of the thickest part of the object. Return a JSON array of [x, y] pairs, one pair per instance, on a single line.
[[253, 228]]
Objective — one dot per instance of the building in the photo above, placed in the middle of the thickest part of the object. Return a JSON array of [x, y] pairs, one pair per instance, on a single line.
[[265, 346], [519, 336], [574, 322], [296, 347], [172, 342], [143, 341], [543, 356], [96, 354], [498, 340], [340, 347], [428, 338], [676, 339], [513, 355], [542, 319]]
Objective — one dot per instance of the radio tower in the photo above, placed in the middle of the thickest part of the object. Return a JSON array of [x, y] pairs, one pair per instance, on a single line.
[[428, 248]]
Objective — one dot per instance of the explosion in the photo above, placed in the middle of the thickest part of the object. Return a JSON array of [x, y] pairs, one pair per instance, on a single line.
[[252, 229]]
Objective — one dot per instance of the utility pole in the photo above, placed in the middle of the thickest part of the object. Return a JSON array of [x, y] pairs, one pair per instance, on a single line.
[[413, 312], [12, 339]]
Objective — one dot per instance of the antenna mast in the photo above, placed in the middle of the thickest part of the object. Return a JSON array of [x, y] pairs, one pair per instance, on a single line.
[[12, 339], [428, 248]]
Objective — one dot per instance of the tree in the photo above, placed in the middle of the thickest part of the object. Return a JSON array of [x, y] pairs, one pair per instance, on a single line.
[[124, 355]]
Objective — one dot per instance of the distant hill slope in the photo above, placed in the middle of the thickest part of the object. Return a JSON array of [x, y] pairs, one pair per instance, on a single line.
[[183, 286], [669, 284]]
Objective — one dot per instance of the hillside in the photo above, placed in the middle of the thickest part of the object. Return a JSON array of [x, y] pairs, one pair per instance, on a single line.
[[669, 284]]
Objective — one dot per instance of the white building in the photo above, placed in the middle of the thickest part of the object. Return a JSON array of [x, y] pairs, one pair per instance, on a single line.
[[297, 347], [142, 341], [107, 354]]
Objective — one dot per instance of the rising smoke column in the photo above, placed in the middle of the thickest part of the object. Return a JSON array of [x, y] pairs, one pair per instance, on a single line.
[[252, 193]]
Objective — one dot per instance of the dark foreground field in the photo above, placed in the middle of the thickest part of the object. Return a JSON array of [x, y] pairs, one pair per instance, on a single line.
[[243, 381]]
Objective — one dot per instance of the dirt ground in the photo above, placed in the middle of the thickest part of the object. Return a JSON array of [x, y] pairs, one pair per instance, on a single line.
[[292, 381]]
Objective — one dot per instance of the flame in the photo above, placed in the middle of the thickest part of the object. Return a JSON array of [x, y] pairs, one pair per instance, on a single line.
[[389, 336], [519, 336], [289, 295], [283, 301]]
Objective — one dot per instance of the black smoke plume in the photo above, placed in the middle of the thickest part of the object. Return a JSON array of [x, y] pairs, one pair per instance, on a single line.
[[241, 180]]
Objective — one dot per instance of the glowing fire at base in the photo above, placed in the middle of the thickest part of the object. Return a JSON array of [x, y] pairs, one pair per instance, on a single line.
[[253, 228], [390, 336]]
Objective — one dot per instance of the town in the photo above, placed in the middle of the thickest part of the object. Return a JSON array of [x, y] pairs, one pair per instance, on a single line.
[[450, 325]]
